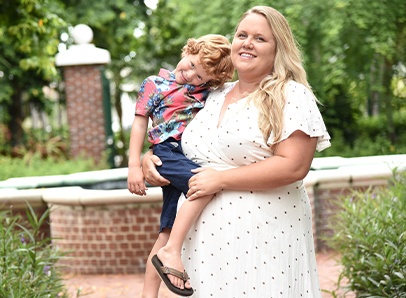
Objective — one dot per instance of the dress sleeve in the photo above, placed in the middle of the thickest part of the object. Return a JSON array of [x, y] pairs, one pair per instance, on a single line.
[[302, 113]]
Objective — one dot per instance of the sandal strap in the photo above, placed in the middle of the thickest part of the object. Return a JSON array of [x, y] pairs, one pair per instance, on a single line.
[[179, 274]]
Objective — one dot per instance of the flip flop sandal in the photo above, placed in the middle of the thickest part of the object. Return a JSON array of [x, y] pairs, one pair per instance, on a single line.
[[163, 271]]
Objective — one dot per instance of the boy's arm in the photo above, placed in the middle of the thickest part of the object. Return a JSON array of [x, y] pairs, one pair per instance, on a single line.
[[135, 180]]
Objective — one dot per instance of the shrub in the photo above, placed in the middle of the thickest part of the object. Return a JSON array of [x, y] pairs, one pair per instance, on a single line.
[[370, 236], [36, 166], [27, 258]]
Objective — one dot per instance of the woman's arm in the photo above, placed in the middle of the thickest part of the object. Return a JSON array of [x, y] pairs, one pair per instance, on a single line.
[[291, 162]]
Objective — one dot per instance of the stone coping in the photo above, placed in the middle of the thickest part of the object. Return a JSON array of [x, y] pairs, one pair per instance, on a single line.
[[81, 178], [332, 168], [352, 176], [74, 196], [335, 162], [77, 196], [362, 174]]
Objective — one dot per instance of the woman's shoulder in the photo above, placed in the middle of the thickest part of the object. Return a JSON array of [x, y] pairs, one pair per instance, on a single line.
[[294, 86], [298, 91]]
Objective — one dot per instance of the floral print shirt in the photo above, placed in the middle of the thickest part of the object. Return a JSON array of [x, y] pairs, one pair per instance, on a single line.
[[170, 106]]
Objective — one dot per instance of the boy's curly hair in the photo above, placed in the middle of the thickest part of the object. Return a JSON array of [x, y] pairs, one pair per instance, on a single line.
[[214, 51]]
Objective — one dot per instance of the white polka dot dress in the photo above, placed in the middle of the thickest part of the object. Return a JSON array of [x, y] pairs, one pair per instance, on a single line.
[[251, 243]]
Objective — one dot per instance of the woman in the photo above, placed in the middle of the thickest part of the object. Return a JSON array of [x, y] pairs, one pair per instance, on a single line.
[[255, 140]]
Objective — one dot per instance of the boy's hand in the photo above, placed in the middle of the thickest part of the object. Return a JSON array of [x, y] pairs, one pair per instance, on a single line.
[[135, 181]]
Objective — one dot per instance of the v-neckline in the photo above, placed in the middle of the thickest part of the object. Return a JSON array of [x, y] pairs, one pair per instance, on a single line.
[[223, 110]]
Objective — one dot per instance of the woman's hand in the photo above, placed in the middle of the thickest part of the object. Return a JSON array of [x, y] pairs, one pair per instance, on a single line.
[[149, 163], [206, 181]]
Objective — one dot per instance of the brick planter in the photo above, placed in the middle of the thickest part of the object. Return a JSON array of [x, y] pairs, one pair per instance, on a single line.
[[113, 231], [105, 239]]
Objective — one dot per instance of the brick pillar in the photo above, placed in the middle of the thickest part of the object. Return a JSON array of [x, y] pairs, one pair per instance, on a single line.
[[83, 66], [84, 100]]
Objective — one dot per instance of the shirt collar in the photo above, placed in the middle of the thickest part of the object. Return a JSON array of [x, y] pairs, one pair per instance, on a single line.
[[167, 75]]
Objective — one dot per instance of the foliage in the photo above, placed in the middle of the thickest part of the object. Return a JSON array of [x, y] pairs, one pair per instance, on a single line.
[[29, 38], [42, 154], [51, 144], [370, 236], [372, 138], [355, 57], [28, 260], [36, 166]]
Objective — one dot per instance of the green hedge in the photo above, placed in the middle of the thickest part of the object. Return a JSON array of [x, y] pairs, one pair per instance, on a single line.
[[37, 166], [370, 236]]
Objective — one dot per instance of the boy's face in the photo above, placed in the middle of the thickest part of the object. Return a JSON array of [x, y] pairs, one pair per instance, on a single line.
[[190, 71]]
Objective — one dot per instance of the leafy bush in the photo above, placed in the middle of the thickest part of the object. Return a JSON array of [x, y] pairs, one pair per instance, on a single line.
[[370, 236], [53, 143], [27, 258], [369, 137], [37, 166]]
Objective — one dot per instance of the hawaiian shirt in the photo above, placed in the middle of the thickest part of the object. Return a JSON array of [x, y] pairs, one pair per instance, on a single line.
[[170, 106]]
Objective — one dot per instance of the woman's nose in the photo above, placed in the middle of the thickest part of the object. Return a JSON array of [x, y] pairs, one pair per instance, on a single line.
[[247, 43]]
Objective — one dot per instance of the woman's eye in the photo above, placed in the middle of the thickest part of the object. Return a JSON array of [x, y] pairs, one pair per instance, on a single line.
[[260, 38], [192, 64]]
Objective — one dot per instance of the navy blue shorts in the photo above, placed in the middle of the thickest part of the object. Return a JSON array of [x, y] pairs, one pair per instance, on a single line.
[[177, 169]]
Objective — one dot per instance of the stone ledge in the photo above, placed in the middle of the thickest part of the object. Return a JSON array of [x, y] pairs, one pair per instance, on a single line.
[[78, 196]]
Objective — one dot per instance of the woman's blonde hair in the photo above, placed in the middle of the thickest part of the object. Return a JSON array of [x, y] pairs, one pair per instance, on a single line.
[[270, 96], [214, 52]]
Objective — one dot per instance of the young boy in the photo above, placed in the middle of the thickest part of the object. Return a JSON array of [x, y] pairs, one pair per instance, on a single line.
[[171, 100]]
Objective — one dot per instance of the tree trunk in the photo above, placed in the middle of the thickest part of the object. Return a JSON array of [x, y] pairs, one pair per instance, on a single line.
[[15, 110], [387, 98]]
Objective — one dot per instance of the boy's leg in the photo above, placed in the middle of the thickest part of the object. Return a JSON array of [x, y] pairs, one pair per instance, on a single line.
[[152, 280], [170, 254], [177, 169]]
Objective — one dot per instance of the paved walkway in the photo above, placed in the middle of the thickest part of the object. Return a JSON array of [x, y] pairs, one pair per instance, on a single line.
[[130, 286]]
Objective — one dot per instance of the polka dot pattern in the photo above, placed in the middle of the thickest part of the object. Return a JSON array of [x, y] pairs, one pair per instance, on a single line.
[[250, 243]]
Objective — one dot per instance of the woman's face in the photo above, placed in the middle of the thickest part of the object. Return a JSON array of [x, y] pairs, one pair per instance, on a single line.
[[253, 48]]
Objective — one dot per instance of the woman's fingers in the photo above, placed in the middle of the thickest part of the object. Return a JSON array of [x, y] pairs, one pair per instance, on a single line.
[[151, 175]]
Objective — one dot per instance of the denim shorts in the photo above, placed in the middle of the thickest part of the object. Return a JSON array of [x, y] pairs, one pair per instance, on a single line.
[[176, 167]]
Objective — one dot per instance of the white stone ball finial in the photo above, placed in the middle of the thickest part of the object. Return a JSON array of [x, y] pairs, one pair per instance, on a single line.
[[82, 34], [83, 52]]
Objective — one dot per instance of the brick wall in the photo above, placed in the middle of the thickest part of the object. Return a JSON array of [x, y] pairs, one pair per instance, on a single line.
[[106, 240], [84, 100], [116, 239], [112, 232]]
